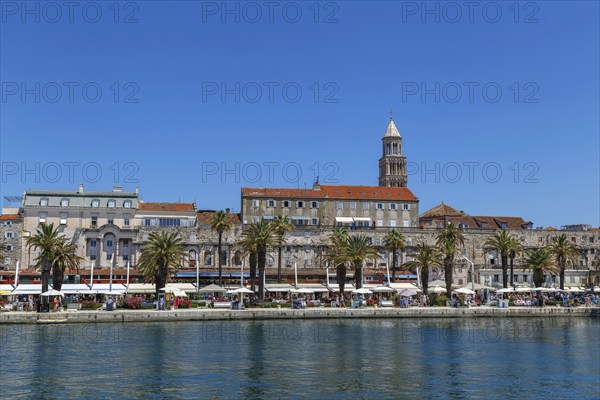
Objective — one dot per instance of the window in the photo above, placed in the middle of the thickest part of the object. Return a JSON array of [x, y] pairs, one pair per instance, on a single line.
[[93, 243], [572, 279], [339, 205], [393, 206], [255, 203], [314, 221], [406, 207], [300, 204], [43, 202], [8, 223], [64, 203], [285, 204], [127, 204], [353, 205], [8, 247], [125, 257], [169, 222], [92, 256], [111, 203], [125, 244], [573, 239], [8, 235], [503, 225], [95, 203], [365, 206], [271, 203], [496, 278], [109, 243], [108, 256], [63, 219], [126, 221], [147, 222], [406, 223], [94, 220], [591, 239], [379, 206], [460, 281], [314, 204], [380, 222], [42, 218], [393, 223], [111, 220]]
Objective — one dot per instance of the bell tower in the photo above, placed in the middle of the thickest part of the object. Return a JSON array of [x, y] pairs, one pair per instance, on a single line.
[[392, 164]]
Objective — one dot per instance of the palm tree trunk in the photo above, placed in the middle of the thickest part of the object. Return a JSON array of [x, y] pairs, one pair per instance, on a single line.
[[46, 266], [279, 264], [358, 274], [504, 260], [562, 276], [512, 274], [262, 260], [394, 265], [219, 259], [253, 261], [448, 276], [58, 275], [340, 275], [425, 280], [161, 278]]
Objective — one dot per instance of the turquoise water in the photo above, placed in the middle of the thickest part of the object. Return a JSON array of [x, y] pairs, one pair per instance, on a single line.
[[397, 358]]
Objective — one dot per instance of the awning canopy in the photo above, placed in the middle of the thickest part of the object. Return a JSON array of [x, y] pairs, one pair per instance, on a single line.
[[347, 220], [300, 217], [362, 219], [274, 287]]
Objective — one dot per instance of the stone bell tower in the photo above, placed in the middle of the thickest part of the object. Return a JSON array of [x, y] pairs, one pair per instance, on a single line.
[[392, 164]]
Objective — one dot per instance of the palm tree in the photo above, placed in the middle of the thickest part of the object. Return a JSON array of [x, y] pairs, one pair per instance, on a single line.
[[46, 240], [221, 223], [594, 267], [63, 258], [160, 258], [425, 257], [355, 251], [563, 250], [501, 242], [281, 224], [449, 238], [338, 239], [394, 241], [250, 250], [539, 261], [515, 248], [260, 236]]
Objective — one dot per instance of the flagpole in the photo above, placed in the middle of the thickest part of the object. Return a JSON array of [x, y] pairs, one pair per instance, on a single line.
[[112, 262], [17, 273], [92, 275], [127, 277]]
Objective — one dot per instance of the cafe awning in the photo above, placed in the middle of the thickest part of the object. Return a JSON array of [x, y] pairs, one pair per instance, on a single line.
[[345, 220]]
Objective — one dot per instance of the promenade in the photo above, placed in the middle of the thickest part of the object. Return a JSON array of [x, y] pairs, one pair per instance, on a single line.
[[287, 313]]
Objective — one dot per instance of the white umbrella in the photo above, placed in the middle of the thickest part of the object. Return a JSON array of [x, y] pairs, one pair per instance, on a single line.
[[573, 290], [437, 289], [53, 292], [408, 292], [212, 288], [244, 290], [463, 290], [362, 291], [523, 289], [303, 290], [383, 289], [506, 290]]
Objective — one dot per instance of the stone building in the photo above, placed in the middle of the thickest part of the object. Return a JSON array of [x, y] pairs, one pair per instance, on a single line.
[[392, 164], [11, 227]]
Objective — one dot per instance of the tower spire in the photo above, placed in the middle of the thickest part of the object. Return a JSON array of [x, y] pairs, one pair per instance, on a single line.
[[392, 164]]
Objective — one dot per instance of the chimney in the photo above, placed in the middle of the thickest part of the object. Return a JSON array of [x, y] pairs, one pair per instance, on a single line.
[[316, 185], [137, 190], [80, 188], [117, 189]]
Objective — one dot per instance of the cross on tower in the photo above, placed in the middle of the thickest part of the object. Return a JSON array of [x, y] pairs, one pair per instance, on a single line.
[[391, 114]]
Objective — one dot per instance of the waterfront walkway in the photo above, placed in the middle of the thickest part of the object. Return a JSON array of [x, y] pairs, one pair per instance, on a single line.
[[123, 315]]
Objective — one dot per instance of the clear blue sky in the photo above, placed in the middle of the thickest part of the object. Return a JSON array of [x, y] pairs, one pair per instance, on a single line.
[[177, 124]]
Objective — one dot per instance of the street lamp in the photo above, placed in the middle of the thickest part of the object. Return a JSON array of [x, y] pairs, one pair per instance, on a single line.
[[472, 272]]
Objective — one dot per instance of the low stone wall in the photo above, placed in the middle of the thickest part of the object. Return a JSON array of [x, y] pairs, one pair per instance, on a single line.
[[286, 313]]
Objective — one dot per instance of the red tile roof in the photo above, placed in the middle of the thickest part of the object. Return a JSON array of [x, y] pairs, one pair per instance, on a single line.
[[10, 217], [334, 192], [442, 210], [204, 217], [177, 207]]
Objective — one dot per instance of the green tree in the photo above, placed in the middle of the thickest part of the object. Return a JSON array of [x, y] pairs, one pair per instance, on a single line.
[[46, 240], [260, 236], [221, 223], [563, 250], [595, 266], [160, 258], [539, 261], [449, 240], [355, 251], [63, 258], [425, 258], [394, 241], [282, 225], [337, 240], [501, 242]]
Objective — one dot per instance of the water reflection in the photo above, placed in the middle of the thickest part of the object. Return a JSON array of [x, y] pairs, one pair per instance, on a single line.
[[370, 358]]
